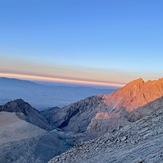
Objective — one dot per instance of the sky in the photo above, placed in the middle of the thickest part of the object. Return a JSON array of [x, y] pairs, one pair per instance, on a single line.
[[95, 42]]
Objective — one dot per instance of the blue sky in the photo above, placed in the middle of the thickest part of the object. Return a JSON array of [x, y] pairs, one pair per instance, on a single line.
[[81, 41]]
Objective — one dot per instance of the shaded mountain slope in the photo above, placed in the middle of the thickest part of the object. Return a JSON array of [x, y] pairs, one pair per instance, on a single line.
[[23, 142], [138, 142], [49, 114], [30, 114], [76, 117]]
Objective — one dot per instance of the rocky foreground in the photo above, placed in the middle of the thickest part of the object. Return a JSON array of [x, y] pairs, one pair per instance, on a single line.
[[138, 142]]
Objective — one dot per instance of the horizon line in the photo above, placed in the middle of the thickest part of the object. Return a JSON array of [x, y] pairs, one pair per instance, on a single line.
[[60, 80]]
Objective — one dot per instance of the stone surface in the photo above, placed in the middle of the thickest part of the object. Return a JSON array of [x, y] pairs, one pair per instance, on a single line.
[[138, 142], [135, 94]]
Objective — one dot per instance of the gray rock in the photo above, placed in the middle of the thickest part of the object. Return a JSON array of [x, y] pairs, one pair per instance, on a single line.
[[139, 141]]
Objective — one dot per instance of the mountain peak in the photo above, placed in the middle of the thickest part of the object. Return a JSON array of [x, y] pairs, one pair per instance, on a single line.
[[139, 82], [135, 94], [31, 114]]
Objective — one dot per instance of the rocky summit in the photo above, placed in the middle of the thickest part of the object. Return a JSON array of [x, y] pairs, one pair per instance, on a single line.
[[135, 94]]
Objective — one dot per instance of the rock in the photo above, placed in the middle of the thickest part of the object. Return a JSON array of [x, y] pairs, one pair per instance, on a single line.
[[135, 94], [76, 117], [126, 145]]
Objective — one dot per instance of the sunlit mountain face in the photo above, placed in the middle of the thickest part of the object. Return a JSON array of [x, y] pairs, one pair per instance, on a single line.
[[135, 94]]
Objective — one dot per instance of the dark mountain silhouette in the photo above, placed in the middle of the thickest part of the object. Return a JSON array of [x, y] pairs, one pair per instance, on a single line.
[[31, 115]]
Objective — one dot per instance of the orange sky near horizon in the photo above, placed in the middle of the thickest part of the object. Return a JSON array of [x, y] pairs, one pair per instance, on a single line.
[[32, 70], [52, 79], [40, 71]]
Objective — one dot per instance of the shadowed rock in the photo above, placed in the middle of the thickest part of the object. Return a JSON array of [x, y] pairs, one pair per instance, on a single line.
[[30, 114]]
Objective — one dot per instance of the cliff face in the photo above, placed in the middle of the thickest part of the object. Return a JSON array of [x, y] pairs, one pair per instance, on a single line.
[[128, 104], [135, 94]]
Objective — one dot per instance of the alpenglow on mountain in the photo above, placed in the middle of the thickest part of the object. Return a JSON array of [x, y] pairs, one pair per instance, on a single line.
[[127, 126], [130, 103]]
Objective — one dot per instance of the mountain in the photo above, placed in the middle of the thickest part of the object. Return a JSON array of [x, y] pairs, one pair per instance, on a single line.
[[23, 142], [137, 142], [130, 103], [75, 117], [49, 114], [41, 96], [135, 94], [99, 114], [30, 114]]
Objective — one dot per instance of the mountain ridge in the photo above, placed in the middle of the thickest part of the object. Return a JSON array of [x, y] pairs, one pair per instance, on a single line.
[[135, 94], [123, 106], [31, 115]]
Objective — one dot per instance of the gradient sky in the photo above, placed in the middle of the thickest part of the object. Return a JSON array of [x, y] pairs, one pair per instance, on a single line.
[[99, 42]]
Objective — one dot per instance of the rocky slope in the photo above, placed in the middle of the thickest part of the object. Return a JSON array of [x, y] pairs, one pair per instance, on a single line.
[[77, 116], [22, 142], [49, 113], [99, 114], [132, 102], [137, 142], [30, 114]]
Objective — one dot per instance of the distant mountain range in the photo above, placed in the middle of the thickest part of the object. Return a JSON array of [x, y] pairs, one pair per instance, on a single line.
[[124, 126], [41, 96]]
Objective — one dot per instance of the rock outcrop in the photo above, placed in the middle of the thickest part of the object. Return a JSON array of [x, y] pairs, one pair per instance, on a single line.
[[135, 94], [31, 115]]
